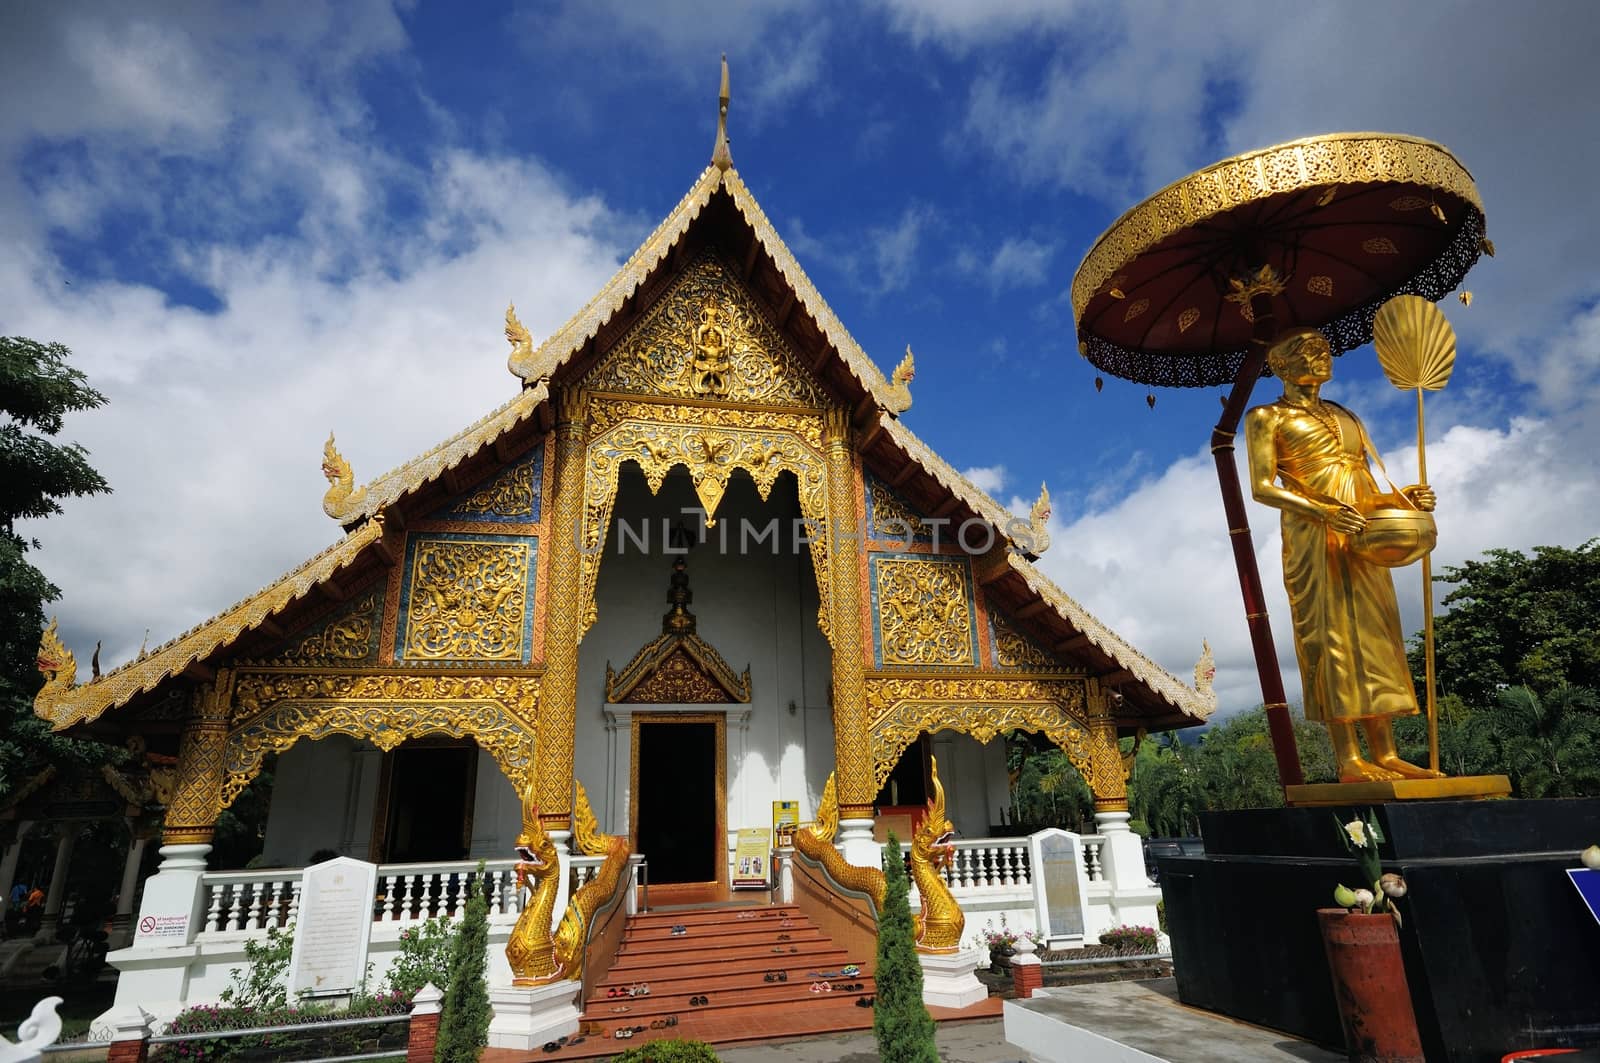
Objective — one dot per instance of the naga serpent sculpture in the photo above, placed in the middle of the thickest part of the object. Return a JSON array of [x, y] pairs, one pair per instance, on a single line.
[[531, 951], [588, 898], [938, 926]]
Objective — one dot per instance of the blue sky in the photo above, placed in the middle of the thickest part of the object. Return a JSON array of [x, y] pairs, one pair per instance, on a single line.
[[256, 222]]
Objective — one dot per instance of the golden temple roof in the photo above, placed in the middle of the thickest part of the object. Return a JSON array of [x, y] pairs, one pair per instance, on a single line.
[[64, 703]]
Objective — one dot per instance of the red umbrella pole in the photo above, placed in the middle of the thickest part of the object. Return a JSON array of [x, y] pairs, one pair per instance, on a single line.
[[1244, 554]]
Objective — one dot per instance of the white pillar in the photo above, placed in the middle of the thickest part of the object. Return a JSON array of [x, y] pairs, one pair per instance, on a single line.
[[786, 874], [1133, 895], [122, 925], [561, 839], [857, 844], [58, 878], [8, 865], [174, 899]]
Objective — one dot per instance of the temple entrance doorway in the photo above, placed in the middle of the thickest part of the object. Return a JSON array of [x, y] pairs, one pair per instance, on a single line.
[[425, 798], [678, 798]]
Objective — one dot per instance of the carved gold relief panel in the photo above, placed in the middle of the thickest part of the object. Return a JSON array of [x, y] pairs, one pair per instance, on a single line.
[[705, 338], [889, 518], [512, 496], [922, 609], [1013, 649], [350, 634], [466, 598]]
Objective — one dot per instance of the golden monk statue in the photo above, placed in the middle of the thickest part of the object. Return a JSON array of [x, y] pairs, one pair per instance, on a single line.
[[1309, 459]]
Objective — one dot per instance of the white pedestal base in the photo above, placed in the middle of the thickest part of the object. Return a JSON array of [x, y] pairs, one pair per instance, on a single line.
[[949, 979], [857, 844], [528, 1017]]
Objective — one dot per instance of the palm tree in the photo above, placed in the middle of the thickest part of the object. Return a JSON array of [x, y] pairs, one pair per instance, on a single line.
[[1549, 745]]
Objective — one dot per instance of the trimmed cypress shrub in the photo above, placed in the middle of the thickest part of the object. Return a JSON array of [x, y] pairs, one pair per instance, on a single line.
[[900, 1021], [464, 1020]]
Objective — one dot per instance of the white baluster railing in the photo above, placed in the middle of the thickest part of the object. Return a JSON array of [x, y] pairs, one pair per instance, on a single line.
[[986, 865], [243, 903], [1092, 844]]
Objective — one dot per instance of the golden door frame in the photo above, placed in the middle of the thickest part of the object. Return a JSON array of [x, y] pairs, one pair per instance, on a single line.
[[378, 847], [721, 791]]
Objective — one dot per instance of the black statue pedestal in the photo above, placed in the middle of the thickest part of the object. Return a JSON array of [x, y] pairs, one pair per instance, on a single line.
[[1501, 953]]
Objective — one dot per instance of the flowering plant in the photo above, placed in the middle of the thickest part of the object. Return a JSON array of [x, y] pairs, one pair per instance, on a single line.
[[1130, 938], [1362, 838], [998, 940]]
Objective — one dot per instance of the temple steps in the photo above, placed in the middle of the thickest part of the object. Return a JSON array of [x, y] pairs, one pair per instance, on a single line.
[[725, 958]]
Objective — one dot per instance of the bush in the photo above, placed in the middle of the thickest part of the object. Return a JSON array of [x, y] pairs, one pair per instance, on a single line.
[[464, 1021], [1130, 939], [424, 956], [900, 1021], [263, 981], [674, 1051]]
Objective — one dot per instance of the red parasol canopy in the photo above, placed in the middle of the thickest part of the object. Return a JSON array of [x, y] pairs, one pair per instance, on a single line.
[[1343, 221]]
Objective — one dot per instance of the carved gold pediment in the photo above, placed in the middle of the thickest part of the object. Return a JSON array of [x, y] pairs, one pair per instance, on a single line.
[[677, 667], [677, 670], [707, 339]]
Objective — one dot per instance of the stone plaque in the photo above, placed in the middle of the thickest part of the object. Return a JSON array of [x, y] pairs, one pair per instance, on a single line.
[[335, 922], [1058, 883]]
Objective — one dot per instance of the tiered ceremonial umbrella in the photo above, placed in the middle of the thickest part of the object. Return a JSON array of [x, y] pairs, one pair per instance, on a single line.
[[1189, 288]]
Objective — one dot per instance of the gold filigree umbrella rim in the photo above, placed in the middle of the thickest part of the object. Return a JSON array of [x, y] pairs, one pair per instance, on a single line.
[[1296, 166]]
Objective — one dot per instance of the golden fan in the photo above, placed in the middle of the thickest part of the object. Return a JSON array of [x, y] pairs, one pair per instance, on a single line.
[[1417, 350]]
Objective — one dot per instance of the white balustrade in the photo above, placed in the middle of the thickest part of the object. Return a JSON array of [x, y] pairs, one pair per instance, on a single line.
[[1092, 844], [245, 903], [986, 865]]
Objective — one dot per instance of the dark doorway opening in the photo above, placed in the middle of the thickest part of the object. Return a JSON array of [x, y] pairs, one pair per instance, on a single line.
[[908, 783], [429, 791], [678, 801]]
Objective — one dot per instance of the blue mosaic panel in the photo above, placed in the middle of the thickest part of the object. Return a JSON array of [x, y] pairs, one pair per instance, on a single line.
[[512, 497], [467, 597]]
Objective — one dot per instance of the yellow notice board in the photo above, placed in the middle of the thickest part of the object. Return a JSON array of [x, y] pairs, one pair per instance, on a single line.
[[785, 818], [752, 858]]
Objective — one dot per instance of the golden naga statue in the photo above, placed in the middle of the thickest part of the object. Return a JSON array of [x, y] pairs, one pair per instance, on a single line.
[[531, 950], [1347, 635], [898, 400], [1034, 536], [342, 499], [571, 934], [59, 665], [521, 340], [938, 927]]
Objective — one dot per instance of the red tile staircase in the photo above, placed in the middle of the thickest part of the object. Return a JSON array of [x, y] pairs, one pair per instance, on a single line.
[[724, 955]]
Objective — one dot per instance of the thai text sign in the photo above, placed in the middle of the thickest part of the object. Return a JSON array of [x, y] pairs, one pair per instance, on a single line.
[[1058, 883], [335, 922], [752, 858], [785, 819]]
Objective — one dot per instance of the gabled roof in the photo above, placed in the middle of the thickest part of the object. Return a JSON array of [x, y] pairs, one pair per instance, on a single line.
[[566, 354]]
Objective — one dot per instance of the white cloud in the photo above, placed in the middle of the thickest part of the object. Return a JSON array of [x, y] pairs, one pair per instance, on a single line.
[[1019, 262], [991, 479]]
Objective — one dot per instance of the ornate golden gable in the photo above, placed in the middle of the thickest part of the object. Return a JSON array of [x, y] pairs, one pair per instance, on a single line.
[[706, 339], [677, 667]]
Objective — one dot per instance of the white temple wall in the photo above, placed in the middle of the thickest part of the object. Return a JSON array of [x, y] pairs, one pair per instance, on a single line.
[[755, 602], [496, 813], [976, 786], [323, 796]]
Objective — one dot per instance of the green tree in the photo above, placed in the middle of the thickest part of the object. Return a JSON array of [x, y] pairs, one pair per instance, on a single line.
[[1518, 620], [37, 390], [900, 1021], [464, 1019], [1550, 744]]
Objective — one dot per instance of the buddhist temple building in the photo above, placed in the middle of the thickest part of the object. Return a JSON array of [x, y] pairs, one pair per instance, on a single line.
[[697, 561]]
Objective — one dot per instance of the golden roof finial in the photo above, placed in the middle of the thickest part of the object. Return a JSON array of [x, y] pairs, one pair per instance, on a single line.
[[721, 157]]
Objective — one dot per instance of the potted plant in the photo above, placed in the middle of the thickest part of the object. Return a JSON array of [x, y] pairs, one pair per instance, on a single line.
[[1001, 943], [1362, 941]]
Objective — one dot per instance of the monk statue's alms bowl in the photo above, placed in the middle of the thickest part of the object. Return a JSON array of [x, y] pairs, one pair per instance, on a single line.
[[1395, 537]]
